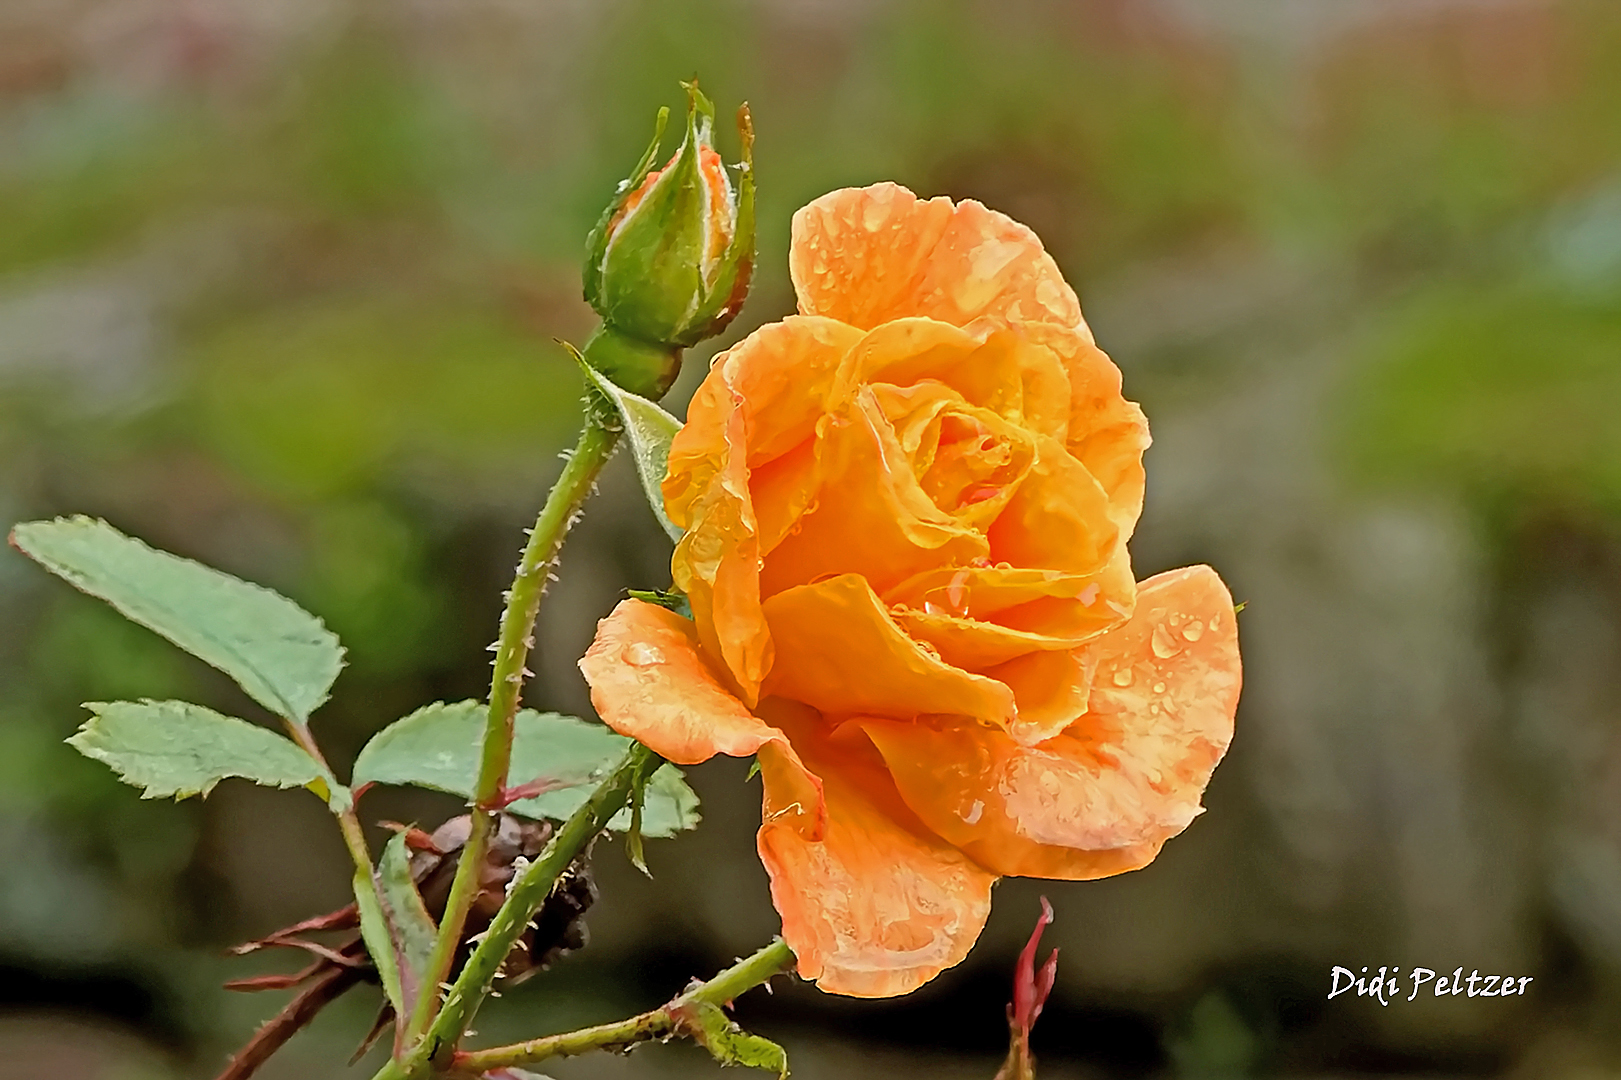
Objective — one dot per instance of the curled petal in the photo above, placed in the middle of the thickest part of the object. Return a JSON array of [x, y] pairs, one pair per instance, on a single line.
[[879, 905], [1050, 688], [1104, 795], [649, 681], [1059, 520], [970, 644], [1106, 433], [870, 514], [840, 652], [717, 564], [869, 255]]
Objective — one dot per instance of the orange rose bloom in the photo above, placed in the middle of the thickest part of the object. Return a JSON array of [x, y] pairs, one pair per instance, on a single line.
[[907, 510]]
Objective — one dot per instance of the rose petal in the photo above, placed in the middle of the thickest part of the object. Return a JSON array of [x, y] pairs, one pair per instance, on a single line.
[[840, 652], [779, 376], [1059, 520], [1104, 795], [717, 565], [970, 644], [868, 255], [870, 515], [649, 681], [1107, 433], [1051, 690], [879, 905], [1048, 607]]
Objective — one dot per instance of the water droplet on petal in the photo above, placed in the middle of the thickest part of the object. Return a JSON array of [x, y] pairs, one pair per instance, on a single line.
[[1164, 645], [641, 654], [1159, 688], [1122, 677], [1194, 630], [972, 814]]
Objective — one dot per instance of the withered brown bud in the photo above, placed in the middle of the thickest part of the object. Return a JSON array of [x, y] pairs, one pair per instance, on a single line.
[[556, 929]]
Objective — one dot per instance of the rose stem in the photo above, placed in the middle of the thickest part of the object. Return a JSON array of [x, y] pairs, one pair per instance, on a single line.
[[596, 445], [744, 975], [526, 895]]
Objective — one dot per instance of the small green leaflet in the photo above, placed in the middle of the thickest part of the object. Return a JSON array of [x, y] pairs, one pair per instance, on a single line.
[[709, 1026], [411, 929], [374, 930], [279, 653], [649, 430], [175, 748], [438, 747], [671, 600]]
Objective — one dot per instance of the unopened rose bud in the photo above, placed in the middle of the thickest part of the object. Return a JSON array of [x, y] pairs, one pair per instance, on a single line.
[[669, 262]]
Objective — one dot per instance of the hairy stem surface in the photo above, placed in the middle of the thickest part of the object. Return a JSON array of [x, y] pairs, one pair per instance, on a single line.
[[746, 974], [527, 893], [596, 445]]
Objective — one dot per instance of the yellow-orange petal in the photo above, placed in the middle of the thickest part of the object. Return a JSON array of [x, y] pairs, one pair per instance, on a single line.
[[1051, 690], [1122, 779], [868, 255], [779, 376], [970, 644], [649, 681], [870, 515], [840, 652], [878, 905], [982, 364], [1106, 433], [717, 564], [1059, 519]]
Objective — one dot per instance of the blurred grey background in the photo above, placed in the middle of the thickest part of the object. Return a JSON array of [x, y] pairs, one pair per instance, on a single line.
[[279, 282]]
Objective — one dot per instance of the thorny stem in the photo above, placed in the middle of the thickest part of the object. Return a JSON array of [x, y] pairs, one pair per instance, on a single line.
[[525, 897], [596, 445], [731, 983]]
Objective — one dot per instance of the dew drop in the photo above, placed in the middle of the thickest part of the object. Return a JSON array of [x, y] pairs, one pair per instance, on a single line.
[[1159, 688], [641, 654], [1194, 630], [1163, 644], [1122, 677], [972, 814]]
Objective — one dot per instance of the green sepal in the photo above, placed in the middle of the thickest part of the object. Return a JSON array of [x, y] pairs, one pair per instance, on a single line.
[[596, 242], [649, 430], [670, 599], [652, 261], [723, 297]]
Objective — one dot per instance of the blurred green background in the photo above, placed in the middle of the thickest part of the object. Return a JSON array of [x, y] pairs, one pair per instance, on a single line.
[[279, 282]]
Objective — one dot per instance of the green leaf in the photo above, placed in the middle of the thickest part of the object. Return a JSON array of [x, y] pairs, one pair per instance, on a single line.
[[633, 835], [438, 747], [175, 748], [671, 600], [374, 930], [709, 1026], [649, 430], [411, 929], [280, 654]]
